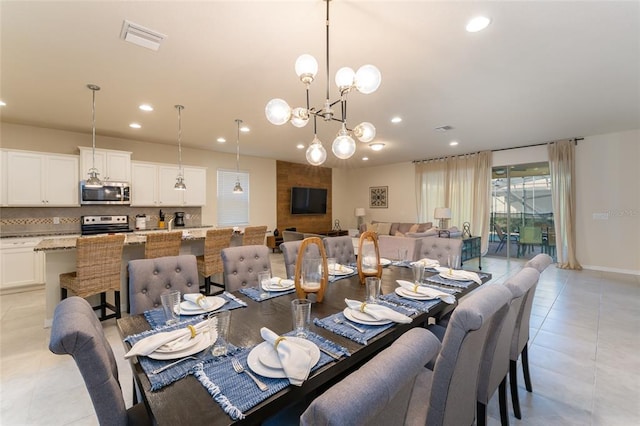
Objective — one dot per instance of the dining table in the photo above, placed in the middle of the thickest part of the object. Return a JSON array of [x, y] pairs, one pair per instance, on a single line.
[[186, 401]]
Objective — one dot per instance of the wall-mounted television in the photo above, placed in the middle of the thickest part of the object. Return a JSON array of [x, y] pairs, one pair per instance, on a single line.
[[308, 200]]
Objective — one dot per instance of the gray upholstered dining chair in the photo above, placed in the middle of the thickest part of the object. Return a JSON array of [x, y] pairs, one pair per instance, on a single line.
[[446, 395], [368, 397], [290, 251], [520, 341], [439, 248], [242, 264], [340, 248], [76, 331], [149, 278], [495, 359]]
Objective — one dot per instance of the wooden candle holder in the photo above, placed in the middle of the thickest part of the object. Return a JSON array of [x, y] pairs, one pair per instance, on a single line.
[[301, 292], [373, 237]]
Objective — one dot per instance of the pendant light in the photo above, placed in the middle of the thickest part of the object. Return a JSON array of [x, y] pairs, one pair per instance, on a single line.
[[237, 189], [180, 186], [93, 181]]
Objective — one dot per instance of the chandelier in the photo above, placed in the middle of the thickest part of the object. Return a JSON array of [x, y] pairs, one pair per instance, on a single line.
[[366, 80], [93, 181], [237, 189], [180, 186]]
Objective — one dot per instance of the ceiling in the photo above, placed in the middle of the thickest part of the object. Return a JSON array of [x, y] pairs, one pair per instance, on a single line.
[[542, 71]]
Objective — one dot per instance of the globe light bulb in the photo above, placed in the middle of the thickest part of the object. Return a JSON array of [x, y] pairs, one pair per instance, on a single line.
[[344, 78], [299, 117], [368, 79], [316, 154], [306, 68], [343, 145], [278, 111], [365, 131]]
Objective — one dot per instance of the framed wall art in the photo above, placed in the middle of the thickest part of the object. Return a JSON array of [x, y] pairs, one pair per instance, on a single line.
[[378, 197]]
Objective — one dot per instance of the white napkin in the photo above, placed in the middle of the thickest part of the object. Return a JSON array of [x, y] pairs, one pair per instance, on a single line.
[[341, 268], [429, 263], [173, 339], [280, 282], [460, 273], [199, 300], [295, 359], [378, 312], [427, 291]]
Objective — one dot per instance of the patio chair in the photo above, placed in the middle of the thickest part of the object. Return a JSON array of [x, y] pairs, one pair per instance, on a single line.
[[530, 236]]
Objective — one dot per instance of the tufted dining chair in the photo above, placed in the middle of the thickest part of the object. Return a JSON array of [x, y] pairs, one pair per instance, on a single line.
[[446, 395], [290, 251], [210, 262], [495, 359], [149, 278], [341, 249], [368, 397], [242, 264], [76, 331], [439, 248], [520, 340]]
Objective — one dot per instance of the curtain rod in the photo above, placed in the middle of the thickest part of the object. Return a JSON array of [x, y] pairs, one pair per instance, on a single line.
[[575, 140]]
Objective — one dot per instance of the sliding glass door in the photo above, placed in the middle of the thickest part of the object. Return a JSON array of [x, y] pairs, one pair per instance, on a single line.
[[521, 213]]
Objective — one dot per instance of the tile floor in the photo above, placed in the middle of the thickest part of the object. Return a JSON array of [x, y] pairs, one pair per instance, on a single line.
[[584, 355]]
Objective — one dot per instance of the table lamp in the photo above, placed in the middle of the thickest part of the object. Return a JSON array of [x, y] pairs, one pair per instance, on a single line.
[[359, 213], [443, 214]]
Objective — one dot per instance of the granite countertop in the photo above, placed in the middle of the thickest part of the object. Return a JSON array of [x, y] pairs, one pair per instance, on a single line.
[[139, 237], [62, 234]]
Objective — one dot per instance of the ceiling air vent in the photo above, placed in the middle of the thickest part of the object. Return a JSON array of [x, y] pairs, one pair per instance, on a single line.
[[443, 128], [137, 34]]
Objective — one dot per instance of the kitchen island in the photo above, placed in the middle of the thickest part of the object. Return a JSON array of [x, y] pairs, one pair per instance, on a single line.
[[60, 257]]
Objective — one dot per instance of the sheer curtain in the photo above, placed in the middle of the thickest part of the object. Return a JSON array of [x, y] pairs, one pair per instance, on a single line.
[[563, 196], [461, 183]]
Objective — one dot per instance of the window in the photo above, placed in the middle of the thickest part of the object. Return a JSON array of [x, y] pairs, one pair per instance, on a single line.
[[233, 209]]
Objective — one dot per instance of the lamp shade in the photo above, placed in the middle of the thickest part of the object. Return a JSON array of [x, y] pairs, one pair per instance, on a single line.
[[359, 212], [442, 213]]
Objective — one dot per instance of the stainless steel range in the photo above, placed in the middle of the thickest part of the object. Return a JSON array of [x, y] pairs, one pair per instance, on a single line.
[[91, 225]]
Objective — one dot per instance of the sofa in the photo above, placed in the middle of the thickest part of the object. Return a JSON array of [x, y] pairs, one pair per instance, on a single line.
[[394, 237]]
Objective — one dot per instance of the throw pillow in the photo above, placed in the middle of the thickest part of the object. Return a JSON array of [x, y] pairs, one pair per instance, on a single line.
[[399, 234], [414, 228], [372, 227], [384, 228]]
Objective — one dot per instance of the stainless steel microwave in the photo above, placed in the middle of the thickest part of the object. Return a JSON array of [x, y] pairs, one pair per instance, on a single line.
[[108, 193]]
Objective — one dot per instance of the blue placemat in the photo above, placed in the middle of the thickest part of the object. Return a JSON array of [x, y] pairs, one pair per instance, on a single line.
[[418, 305], [237, 393], [402, 263], [437, 279], [348, 332], [253, 293], [156, 318]]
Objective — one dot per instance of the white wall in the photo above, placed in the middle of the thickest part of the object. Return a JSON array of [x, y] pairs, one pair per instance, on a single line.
[[262, 171]]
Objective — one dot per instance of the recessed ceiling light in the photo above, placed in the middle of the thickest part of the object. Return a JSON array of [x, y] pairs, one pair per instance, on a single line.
[[135, 126], [365, 158], [478, 23], [146, 107], [377, 146], [443, 128], [244, 129], [2, 103], [221, 140], [396, 120], [300, 146], [453, 143]]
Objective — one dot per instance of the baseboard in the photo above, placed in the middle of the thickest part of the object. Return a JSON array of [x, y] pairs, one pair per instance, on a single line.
[[607, 269]]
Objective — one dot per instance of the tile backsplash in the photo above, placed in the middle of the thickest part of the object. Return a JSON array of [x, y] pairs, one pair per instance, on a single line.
[[17, 220]]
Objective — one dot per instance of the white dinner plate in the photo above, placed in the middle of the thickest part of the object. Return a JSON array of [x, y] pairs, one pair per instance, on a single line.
[[206, 340], [280, 288], [385, 262], [454, 277], [363, 318], [253, 360], [400, 291], [188, 343], [342, 270], [269, 357], [188, 308]]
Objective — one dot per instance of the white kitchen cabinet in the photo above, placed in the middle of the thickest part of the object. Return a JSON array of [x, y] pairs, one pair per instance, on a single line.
[[20, 265], [112, 165], [37, 179], [3, 177], [152, 184]]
